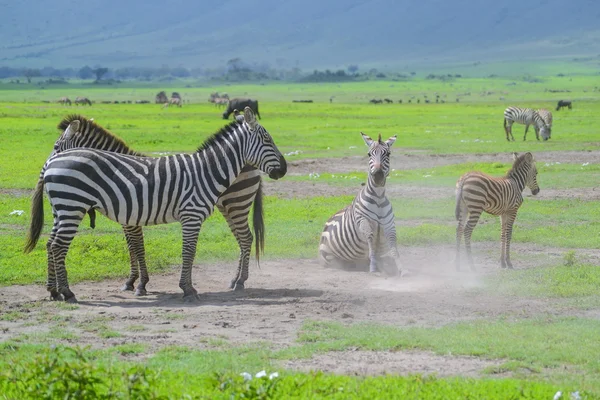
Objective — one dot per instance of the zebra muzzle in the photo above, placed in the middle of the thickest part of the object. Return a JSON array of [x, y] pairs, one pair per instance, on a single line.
[[280, 172]]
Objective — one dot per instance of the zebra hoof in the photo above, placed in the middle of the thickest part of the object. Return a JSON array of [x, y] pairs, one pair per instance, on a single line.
[[140, 292], [70, 299], [237, 287], [127, 288], [55, 296]]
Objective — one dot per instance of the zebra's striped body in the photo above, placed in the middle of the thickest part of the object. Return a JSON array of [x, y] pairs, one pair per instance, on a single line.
[[65, 101], [477, 192], [235, 203], [138, 191], [83, 101], [365, 230], [547, 118], [175, 101], [525, 116]]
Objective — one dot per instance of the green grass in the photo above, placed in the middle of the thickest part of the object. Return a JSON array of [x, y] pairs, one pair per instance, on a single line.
[[31, 372]]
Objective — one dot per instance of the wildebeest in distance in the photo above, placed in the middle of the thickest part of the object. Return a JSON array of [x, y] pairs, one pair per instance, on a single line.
[[240, 104], [563, 103]]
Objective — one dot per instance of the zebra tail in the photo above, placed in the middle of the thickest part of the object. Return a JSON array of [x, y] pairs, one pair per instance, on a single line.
[[459, 188], [258, 222], [37, 216]]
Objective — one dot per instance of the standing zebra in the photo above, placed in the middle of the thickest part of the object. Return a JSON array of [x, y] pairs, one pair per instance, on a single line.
[[138, 191], [235, 203], [365, 229], [525, 116], [477, 192], [64, 101], [547, 117]]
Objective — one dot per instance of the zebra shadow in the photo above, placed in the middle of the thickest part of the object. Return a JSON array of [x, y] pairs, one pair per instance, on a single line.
[[256, 296]]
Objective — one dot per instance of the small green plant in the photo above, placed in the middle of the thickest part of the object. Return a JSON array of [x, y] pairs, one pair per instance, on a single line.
[[569, 259]]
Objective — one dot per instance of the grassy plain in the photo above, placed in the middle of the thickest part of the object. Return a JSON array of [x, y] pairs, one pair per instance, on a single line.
[[544, 355]]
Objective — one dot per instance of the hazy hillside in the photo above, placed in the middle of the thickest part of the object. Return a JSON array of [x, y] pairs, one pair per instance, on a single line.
[[308, 33]]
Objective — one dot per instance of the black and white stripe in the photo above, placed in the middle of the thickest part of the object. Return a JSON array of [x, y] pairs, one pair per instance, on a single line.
[[525, 116], [477, 192], [137, 191], [365, 230], [235, 203], [547, 118]]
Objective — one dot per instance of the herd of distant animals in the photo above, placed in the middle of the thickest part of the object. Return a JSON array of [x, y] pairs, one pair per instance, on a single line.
[[79, 178]]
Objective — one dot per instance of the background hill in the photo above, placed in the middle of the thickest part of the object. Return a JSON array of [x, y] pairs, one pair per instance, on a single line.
[[307, 34]]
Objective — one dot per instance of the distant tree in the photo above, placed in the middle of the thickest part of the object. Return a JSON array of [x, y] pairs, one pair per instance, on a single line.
[[85, 73], [31, 73], [235, 64], [180, 72], [100, 72], [353, 69]]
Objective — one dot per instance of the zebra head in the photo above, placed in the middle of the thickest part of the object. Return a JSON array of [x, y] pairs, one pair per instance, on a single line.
[[67, 139], [545, 132], [261, 151], [524, 167], [379, 158]]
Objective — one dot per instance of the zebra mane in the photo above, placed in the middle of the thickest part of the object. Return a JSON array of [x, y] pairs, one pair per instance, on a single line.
[[519, 163], [90, 128], [225, 131]]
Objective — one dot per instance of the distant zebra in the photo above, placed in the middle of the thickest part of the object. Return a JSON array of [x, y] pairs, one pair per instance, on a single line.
[[175, 101], [547, 117], [235, 203], [82, 101], [477, 192], [364, 231], [142, 191], [525, 116], [161, 98], [64, 101]]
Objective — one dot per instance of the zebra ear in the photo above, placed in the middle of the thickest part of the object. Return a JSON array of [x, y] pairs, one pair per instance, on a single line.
[[391, 140], [368, 140], [529, 156], [249, 117], [515, 155], [72, 129]]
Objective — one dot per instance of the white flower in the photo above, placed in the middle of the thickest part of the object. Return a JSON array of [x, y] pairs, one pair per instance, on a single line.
[[261, 374], [17, 212], [575, 396], [274, 375], [247, 376], [557, 396], [585, 163]]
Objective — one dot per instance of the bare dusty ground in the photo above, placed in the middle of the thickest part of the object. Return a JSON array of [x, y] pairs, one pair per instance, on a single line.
[[282, 294]]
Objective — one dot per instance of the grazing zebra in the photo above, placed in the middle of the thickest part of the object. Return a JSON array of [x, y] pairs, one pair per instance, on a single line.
[[64, 101], [547, 117], [563, 103], [477, 192], [525, 116], [82, 101], [176, 101], [364, 231], [138, 191]]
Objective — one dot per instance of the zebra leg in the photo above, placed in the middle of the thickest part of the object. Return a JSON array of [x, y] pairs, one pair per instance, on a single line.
[[137, 253], [526, 129], [537, 132], [459, 232], [244, 238], [468, 231], [190, 226], [51, 285], [67, 228], [508, 130], [506, 236]]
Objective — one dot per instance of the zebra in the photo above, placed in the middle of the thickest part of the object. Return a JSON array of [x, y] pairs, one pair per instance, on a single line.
[[234, 203], [477, 192], [142, 191], [82, 101], [365, 229], [161, 98], [176, 101], [525, 116], [547, 117], [64, 101]]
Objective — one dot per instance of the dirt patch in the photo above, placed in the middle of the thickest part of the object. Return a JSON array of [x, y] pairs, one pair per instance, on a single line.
[[393, 362]]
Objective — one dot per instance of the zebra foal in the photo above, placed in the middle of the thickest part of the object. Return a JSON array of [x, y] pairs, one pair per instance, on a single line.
[[235, 203], [527, 117], [477, 192], [138, 191], [365, 229]]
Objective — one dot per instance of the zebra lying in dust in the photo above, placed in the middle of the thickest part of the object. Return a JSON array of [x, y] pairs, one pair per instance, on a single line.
[[477, 192], [145, 191], [364, 232]]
